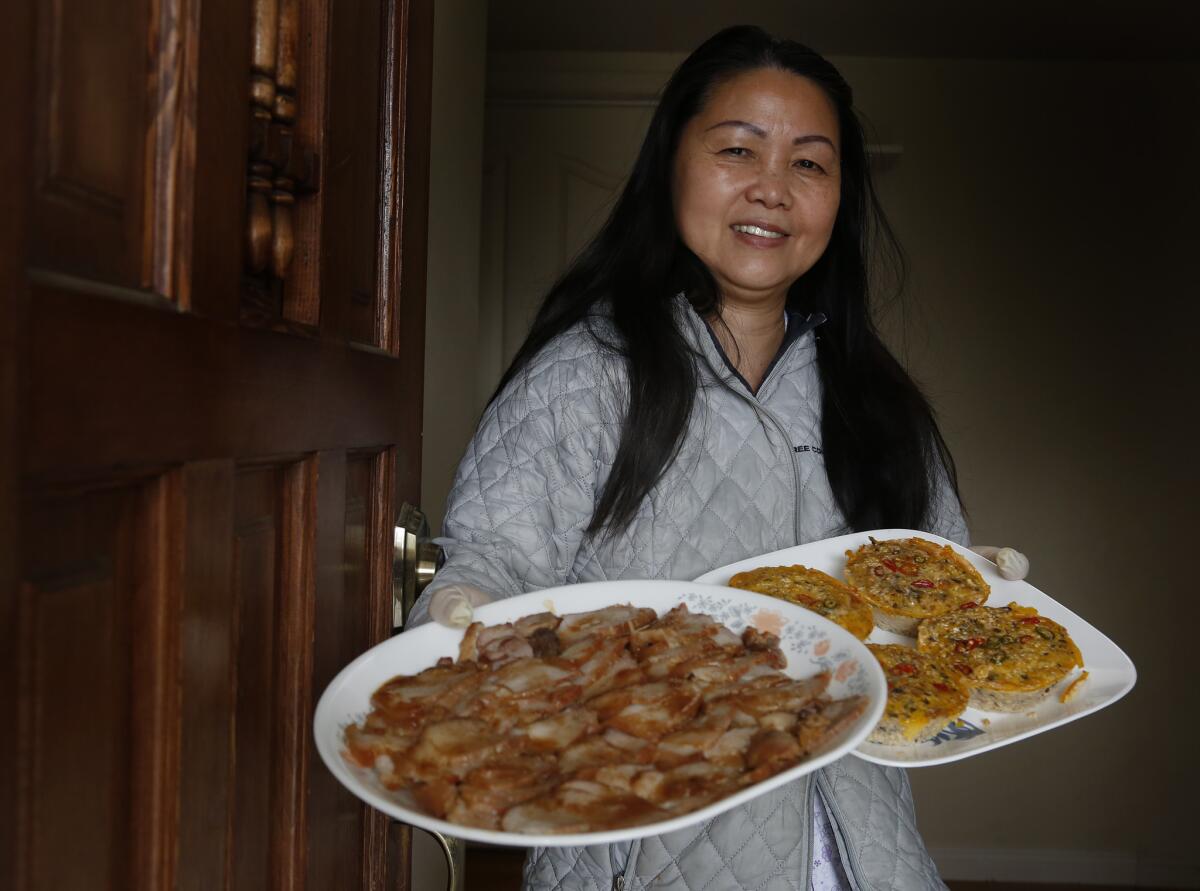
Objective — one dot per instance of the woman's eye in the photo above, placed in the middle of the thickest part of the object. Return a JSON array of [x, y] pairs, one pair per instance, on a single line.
[[736, 151], [809, 164]]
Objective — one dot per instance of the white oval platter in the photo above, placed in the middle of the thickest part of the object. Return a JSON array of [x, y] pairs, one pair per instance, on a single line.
[[1110, 672], [811, 643]]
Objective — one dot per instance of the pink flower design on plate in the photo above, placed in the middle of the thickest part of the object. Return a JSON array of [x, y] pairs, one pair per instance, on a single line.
[[768, 621], [845, 669], [821, 648]]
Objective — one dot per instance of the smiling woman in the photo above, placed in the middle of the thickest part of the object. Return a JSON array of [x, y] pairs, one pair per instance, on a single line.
[[756, 190], [705, 384], [757, 183]]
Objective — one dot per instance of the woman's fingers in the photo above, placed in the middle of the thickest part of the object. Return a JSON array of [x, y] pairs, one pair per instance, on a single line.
[[1012, 564], [454, 605]]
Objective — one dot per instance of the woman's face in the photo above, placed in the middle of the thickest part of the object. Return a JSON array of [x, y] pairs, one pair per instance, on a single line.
[[757, 182]]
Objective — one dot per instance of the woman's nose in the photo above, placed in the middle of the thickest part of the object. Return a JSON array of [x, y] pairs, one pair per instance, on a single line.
[[768, 188]]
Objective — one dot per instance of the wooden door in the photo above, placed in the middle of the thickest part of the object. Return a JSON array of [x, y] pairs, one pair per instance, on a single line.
[[212, 266]]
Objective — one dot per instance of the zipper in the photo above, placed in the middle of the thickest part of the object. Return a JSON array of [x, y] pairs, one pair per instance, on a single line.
[[787, 443], [752, 400], [630, 858], [762, 410], [810, 789], [855, 872]]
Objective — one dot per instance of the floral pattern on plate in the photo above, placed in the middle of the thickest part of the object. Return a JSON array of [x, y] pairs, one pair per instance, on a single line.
[[808, 641], [958, 729]]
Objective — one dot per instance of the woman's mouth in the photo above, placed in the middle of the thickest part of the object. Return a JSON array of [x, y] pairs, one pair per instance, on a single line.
[[757, 230]]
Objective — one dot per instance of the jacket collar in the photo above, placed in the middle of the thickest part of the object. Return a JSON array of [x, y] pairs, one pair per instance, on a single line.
[[797, 342]]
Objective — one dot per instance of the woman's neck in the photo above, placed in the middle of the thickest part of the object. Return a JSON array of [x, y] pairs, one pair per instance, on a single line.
[[750, 335]]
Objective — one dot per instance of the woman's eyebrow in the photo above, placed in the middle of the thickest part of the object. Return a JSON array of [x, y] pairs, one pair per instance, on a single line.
[[743, 125], [762, 134]]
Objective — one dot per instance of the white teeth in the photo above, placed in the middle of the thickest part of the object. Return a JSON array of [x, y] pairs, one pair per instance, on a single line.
[[754, 230]]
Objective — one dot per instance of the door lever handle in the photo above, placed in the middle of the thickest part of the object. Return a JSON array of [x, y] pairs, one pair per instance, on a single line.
[[415, 559]]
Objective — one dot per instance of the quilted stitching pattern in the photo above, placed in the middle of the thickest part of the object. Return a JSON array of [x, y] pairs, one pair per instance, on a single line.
[[525, 489], [523, 495], [874, 811]]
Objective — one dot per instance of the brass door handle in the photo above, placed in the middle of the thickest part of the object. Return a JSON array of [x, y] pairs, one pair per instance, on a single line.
[[455, 850], [415, 559]]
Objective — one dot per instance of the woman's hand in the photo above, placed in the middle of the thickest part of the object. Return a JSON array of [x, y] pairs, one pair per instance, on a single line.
[[1013, 565], [454, 605]]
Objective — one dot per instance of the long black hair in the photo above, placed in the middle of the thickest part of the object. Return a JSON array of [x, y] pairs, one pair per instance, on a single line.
[[882, 448]]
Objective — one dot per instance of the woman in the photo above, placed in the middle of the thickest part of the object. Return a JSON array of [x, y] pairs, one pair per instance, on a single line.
[[703, 385]]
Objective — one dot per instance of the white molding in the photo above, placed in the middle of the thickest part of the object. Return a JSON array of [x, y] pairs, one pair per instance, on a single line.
[[1067, 867]]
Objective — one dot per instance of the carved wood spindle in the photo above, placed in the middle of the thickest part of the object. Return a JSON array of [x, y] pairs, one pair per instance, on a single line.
[[263, 43], [284, 117]]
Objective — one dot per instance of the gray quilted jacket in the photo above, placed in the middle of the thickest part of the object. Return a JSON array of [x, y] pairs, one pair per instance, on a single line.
[[749, 479]]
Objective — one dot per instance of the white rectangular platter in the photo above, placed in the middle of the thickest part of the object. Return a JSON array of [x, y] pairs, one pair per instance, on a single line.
[[1110, 672], [811, 643]]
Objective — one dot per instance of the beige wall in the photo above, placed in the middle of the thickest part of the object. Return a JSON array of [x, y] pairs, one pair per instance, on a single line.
[[1049, 212], [452, 285], [452, 301]]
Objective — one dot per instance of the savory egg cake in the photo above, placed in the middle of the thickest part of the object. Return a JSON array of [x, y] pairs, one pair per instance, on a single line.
[[811, 589], [906, 580], [1010, 657], [924, 695]]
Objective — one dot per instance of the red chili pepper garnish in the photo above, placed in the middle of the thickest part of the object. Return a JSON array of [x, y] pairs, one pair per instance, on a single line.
[[1025, 638], [908, 568], [903, 668], [922, 583], [889, 564], [1031, 620], [941, 687], [963, 667], [970, 604], [970, 643]]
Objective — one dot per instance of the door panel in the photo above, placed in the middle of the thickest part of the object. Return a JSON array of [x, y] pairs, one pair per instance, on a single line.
[[76, 731], [95, 735], [344, 860], [92, 114], [202, 454], [353, 172], [207, 699]]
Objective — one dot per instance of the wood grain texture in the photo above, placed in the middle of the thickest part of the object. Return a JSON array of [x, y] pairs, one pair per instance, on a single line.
[[379, 528], [286, 55], [16, 169], [203, 391], [170, 477], [293, 693], [97, 732], [208, 644], [301, 290], [171, 150], [218, 184], [156, 594], [413, 23], [91, 81], [264, 37], [351, 170], [256, 585], [284, 157], [338, 518]]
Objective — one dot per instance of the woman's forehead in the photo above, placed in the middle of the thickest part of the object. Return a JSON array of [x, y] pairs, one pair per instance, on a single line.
[[769, 100]]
